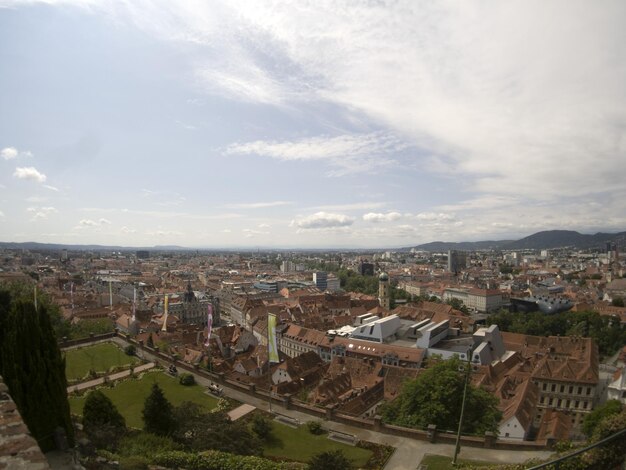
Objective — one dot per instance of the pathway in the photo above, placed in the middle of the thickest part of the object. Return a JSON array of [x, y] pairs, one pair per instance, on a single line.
[[240, 411], [99, 381]]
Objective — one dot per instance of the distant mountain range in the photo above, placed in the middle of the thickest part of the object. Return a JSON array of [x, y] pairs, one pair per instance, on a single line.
[[545, 240], [59, 246]]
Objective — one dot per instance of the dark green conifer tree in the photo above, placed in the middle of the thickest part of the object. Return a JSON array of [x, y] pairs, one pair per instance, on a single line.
[[158, 413], [33, 368]]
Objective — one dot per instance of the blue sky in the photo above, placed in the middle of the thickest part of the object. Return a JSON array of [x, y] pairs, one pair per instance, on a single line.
[[310, 124]]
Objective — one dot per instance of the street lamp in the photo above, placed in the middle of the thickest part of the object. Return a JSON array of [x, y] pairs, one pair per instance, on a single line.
[[457, 446]]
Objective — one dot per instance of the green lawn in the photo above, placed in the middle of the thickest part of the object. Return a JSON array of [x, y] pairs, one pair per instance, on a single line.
[[129, 396], [440, 462], [299, 444], [99, 357]]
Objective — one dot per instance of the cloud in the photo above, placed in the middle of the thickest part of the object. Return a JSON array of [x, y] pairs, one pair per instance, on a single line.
[[258, 205], [128, 230], [51, 188], [380, 217], [41, 213], [264, 225], [519, 99], [322, 220], [94, 223], [249, 233], [350, 207], [29, 173], [349, 153], [1, 214], [8, 153]]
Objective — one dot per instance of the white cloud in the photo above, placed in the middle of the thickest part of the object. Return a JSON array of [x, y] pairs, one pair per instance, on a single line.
[[258, 205], [9, 153], [128, 230], [94, 223], [1, 214], [348, 153], [41, 213], [264, 225], [432, 216], [350, 207], [321, 220], [380, 217], [29, 173], [88, 223], [514, 99], [51, 188]]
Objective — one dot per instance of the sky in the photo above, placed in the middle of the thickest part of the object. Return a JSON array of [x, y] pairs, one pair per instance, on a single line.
[[310, 124]]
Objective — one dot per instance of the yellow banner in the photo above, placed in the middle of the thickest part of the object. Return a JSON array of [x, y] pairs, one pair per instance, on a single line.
[[272, 349]]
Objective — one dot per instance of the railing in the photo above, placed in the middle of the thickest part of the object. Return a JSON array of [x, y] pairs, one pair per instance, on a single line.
[[557, 462]]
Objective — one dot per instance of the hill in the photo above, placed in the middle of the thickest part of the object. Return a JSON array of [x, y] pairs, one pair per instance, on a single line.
[[545, 240]]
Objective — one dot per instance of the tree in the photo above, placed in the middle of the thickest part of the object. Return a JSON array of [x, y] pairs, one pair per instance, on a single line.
[[610, 455], [329, 460], [261, 426], [150, 341], [617, 302], [435, 397], [199, 430], [102, 422], [593, 419], [186, 379], [158, 416], [32, 366], [130, 350]]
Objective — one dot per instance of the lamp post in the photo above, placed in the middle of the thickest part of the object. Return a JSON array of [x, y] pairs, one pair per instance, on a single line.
[[457, 446]]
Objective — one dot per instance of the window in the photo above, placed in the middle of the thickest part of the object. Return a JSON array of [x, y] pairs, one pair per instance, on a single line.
[[580, 390], [553, 387], [560, 402], [588, 390], [571, 389], [545, 386], [551, 401], [562, 388]]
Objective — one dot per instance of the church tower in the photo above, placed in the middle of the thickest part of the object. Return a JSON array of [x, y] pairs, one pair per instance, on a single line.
[[383, 291]]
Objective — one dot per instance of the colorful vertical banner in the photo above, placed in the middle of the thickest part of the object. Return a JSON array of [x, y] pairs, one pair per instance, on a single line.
[[110, 294], [209, 325], [165, 310], [272, 349]]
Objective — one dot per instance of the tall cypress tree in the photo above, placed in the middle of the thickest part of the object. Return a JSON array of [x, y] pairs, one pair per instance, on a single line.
[[158, 413], [33, 369]]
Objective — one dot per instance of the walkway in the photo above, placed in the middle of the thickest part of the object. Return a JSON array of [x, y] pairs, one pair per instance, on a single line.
[[409, 452], [99, 381], [240, 411]]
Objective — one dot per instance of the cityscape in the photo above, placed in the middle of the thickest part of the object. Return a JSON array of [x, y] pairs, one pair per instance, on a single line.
[[299, 235]]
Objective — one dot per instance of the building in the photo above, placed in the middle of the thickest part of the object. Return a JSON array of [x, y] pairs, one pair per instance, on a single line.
[[383, 291], [320, 278], [481, 300], [617, 388], [457, 261], [194, 307], [333, 284], [142, 254], [366, 269]]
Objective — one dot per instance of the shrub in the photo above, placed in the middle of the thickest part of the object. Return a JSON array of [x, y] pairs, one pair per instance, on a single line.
[[186, 379], [261, 426], [315, 427], [130, 350]]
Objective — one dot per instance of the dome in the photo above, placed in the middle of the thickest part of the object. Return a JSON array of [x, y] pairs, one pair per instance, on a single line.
[[383, 277]]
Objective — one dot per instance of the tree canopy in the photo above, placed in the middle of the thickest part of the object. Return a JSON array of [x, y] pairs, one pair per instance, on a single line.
[[435, 397], [102, 422], [158, 413], [329, 460], [607, 332], [32, 366], [593, 419]]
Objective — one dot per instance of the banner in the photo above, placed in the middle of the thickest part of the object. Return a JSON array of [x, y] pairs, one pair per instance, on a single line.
[[272, 349], [209, 324], [110, 295], [134, 303], [165, 308]]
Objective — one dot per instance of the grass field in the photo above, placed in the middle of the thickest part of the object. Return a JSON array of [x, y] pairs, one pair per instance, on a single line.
[[99, 357], [440, 462], [129, 396], [299, 444]]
